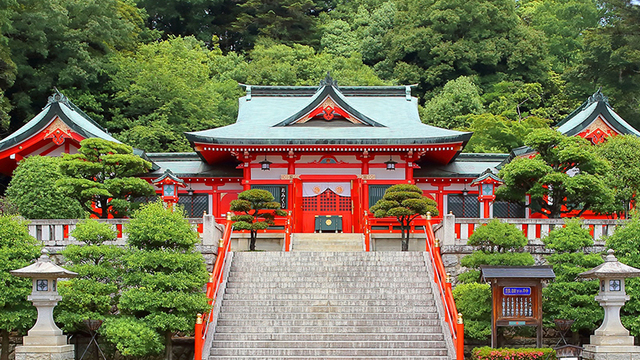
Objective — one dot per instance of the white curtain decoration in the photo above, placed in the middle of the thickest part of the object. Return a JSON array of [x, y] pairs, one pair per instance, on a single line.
[[315, 189]]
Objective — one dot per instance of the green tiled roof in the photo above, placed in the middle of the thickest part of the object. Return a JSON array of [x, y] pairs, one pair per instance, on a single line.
[[466, 165], [70, 114], [189, 165], [597, 104], [391, 115]]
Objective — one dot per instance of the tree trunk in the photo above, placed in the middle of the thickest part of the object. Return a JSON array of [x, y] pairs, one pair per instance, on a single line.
[[252, 243], [405, 237], [5, 345], [168, 346]]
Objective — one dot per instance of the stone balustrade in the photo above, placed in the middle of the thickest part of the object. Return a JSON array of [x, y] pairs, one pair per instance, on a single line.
[[456, 231], [55, 234]]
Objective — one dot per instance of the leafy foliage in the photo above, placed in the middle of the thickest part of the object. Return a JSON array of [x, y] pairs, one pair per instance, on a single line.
[[624, 178], [256, 204], [498, 134], [100, 173], [33, 190], [473, 300], [163, 280], [17, 250], [626, 243], [405, 202], [564, 176], [566, 297], [94, 293], [496, 243], [448, 108]]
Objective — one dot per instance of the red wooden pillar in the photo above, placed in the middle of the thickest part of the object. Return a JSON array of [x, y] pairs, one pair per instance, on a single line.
[[297, 205]]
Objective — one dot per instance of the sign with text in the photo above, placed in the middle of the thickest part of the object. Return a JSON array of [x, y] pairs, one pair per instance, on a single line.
[[516, 291]]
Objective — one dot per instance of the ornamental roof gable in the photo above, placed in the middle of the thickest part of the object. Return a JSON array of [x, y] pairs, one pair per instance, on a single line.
[[57, 121], [326, 105], [595, 120]]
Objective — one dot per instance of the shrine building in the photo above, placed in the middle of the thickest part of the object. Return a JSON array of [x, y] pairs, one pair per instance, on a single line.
[[322, 151]]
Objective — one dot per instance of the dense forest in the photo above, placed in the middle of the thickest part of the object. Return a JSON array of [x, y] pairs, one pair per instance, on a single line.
[[149, 70]]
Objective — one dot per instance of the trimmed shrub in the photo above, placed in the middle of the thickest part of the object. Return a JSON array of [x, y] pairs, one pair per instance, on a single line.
[[487, 353]]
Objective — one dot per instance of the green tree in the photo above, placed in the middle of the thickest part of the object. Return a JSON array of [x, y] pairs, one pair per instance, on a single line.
[[564, 31], [625, 241], [100, 174], [163, 279], [17, 250], [33, 190], [276, 64], [448, 107], [287, 21], [259, 211], [7, 66], [93, 294], [166, 88], [405, 202], [66, 43], [624, 178], [565, 175], [498, 134], [496, 243], [566, 297]]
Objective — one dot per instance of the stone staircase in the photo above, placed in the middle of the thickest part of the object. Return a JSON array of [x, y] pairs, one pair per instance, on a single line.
[[327, 242], [328, 305]]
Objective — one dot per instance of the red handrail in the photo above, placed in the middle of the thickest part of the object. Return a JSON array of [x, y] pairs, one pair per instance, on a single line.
[[367, 232], [443, 283], [215, 279]]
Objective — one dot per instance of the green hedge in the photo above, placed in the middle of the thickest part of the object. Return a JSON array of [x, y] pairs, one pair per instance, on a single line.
[[487, 353]]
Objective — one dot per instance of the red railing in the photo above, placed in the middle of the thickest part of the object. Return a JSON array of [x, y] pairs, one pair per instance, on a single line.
[[367, 232], [443, 283], [216, 278]]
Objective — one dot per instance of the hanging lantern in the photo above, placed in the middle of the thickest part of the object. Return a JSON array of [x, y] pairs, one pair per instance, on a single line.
[[391, 165], [265, 165]]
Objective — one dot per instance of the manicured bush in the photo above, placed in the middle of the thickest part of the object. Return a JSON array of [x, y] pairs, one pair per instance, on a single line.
[[487, 353]]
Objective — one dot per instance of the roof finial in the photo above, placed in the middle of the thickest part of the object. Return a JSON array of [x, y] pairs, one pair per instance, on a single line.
[[57, 97], [328, 81], [598, 96]]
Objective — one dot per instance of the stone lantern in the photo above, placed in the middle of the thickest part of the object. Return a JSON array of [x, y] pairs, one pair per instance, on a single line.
[[611, 340], [45, 340]]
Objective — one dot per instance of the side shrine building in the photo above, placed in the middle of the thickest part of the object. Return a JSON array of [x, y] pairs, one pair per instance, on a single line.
[[321, 151]]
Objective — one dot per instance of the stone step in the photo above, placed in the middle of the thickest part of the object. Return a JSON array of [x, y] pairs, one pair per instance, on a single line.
[[311, 291], [335, 300], [328, 285], [322, 269], [358, 344], [328, 322], [334, 357], [392, 310], [228, 315], [329, 337], [326, 352], [296, 278], [329, 329]]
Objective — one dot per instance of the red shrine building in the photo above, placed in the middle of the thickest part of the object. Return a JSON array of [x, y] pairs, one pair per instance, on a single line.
[[322, 151]]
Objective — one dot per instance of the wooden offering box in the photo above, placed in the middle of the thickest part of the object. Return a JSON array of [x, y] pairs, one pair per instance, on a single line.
[[517, 296]]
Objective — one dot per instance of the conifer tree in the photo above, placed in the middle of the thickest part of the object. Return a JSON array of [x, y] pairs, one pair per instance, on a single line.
[[93, 294], [256, 204], [163, 281], [405, 202], [101, 174]]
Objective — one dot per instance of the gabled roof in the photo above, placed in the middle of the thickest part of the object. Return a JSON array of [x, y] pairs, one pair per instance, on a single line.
[[588, 113], [60, 107], [467, 165], [388, 115]]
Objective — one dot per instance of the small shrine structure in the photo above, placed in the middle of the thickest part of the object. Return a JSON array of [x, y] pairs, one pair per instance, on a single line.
[[516, 293]]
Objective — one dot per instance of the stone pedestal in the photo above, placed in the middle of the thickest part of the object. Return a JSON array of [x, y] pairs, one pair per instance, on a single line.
[[61, 352]]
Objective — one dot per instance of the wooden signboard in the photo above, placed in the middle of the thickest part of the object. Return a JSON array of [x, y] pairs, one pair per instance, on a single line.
[[517, 296]]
